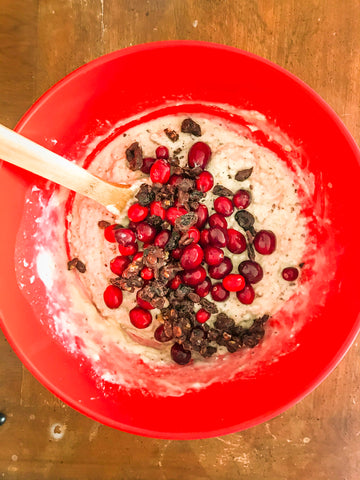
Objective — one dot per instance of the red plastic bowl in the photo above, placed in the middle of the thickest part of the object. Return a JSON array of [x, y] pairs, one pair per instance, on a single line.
[[115, 87]]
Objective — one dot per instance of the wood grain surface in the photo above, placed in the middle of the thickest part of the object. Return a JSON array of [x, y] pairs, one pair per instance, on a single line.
[[43, 40]]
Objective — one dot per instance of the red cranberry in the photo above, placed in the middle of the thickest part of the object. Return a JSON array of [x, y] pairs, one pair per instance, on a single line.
[[251, 270], [204, 182], [234, 282], [219, 293], [143, 303], [242, 199], [179, 354], [202, 315], [113, 296], [157, 209], [148, 162], [125, 237], [145, 232], [160, 171], [246, 295], [195, 276], [237, 241], [137, 213], [118, 264], [191, 257], [199, 155], [129, 250], [137, 256], [147, 273], [160, 334], [217, 220], [194, 233], [140, 318], [224, 206], [220, 271], [290, 274], [175, 283], [175, 179], [162, 238], [204, 237], [132, 226], [109, 233], [203, 288], [162, 152], [213, 255], [218, 237], [173, 213], [176, 253], [265, 242], [202, 213]]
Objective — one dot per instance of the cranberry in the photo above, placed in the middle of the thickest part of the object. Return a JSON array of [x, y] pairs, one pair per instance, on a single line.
[[160, 171], [113, 296], [173, 213], [160, 334], [162, 152], [204, 237], [203, 288], [199, 155], [246, 295], [242, 199], [118, 264], [162, 238], [194, 233], [179, 354], [147, 273], [175, 283], [145, 232], [204, 182], [137, 256], [175, 179], [202, 213], [140, 318], [195, 276], [157, 209], [218, 237], [237, 242], [132, 226], [109, 233], [148, 162], [191, 257], [143, 303], [251, 270], [224, 206], [290, 274], [218, 293], [220, 271], [176, 253], [125, 237], [213, 255], [129, 250], [234, 282], [217, 220], [137, 213], [202, 315], [265, 242]]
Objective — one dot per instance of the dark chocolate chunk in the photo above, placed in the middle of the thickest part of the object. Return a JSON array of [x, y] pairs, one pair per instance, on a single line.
[[243, 174], [103, 224], [223, 322], [169, 271], [208, 352], [171, 134], [245, 219], [184, 222], [155, 221], [222, 191], [208, 306], [145, 195], [78, 264], [134, 156], [189, 126], [194, 297], [173, 241]]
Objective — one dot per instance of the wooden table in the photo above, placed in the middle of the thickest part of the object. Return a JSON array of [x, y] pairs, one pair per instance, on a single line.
[[40, 42]]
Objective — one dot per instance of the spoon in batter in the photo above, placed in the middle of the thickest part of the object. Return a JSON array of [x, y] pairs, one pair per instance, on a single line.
[[24, 153]]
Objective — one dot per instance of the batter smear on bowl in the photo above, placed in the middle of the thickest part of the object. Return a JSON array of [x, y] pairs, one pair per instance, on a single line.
[[210, 267]]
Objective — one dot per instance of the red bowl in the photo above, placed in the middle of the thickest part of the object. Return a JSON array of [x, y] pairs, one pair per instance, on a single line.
[[116, 87]]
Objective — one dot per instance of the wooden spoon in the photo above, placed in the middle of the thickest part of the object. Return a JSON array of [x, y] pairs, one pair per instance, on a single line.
[[24, 153]]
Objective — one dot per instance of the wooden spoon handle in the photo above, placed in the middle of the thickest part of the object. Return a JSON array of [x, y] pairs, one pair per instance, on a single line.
[[24, 153]]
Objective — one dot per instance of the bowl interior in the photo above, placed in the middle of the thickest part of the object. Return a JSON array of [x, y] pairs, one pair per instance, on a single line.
[[118, 86]]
